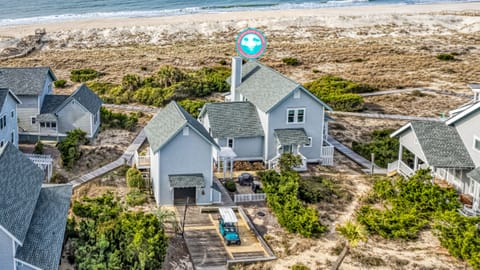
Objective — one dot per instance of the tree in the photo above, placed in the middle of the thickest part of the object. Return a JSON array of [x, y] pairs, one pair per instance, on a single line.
[[70, 147], [353, 234], [135, 178], [38, 148]]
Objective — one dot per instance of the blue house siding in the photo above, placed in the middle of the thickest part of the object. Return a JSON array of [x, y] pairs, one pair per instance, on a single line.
[[190, 154], [8, 107], [6, 251], [313, 124], [249, 148]]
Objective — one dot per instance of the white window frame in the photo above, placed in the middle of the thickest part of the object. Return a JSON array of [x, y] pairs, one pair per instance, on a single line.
[[186, 131], [475, 139], [310, 144], [228, 142], [12, 137], [295, 115]]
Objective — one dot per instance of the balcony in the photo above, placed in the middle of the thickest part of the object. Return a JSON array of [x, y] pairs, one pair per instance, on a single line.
[[141, 161]]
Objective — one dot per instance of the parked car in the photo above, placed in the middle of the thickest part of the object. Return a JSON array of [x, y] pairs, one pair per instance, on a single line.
[[245, 179]]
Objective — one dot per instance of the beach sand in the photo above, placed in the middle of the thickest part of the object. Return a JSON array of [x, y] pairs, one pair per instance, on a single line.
[[390, 46]]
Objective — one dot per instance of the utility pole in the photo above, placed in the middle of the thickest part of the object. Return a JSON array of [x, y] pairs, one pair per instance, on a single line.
[[184, 217]]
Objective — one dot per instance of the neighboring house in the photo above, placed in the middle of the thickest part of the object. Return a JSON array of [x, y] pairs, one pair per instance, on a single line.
[[32, 217], [181, 160], [42, 115], [451, 149], [8, 117], [269, 114]]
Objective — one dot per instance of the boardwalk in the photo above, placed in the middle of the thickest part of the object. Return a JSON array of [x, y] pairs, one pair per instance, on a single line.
[[408, 90], [126, 158], [387, 116], [135, 108], [355, 157]]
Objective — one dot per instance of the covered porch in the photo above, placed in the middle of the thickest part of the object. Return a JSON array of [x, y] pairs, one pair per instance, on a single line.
[[471, 199], [289, 141]]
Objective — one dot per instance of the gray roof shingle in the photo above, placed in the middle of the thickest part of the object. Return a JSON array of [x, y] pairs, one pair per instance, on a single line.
[[475, 174], [186, 180], [20, 184], [52, 102], [265, 87], [289, 136], [442, 145], [87, 98], [168, 122], [25, 81], [44, 241], [233, 119]]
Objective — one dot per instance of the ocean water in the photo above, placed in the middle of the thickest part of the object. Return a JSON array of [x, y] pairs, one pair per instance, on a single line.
[[36, 11]]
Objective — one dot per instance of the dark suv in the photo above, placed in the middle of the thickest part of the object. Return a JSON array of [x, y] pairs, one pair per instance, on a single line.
[[245, 179]]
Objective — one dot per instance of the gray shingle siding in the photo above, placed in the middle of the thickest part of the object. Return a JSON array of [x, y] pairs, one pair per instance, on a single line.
[[44, 241], [21, 183], [25, 81]]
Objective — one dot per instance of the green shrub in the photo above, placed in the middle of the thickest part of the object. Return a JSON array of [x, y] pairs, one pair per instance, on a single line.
[[59, 178], [299, 266], [411, 204], [135, 178], [105, 236], [230, 185], [38, 148], [112, 119], [193, 107], [382, 145], [291, 61], [135, 197], [316, 189], [339, 93], [60, 83], [70, 147], [445, 57], [83, 74]]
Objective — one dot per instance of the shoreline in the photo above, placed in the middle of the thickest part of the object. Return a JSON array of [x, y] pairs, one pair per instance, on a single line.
[[248, 18]]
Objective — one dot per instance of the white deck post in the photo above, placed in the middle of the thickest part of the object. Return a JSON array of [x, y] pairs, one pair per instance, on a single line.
[[231, 168], [400, 152]]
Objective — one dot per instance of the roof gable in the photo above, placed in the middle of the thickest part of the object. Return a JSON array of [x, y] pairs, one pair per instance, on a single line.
[[87, 98], [43, 243], [168, 122], [28, 81], [441, 144], [233, 119], [4, 93], [21, 183]]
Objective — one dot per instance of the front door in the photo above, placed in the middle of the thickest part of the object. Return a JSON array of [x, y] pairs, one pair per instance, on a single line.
[[287, 149]]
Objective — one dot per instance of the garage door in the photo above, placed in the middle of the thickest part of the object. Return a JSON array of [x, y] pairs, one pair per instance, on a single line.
[[180, 195]]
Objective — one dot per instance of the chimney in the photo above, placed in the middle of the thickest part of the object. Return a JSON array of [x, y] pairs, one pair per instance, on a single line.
[[476, 91], [236, 77]]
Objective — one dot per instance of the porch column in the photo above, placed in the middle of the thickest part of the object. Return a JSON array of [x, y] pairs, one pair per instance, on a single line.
[[400, 152], [224, 168], [231, 168], [415, 163]]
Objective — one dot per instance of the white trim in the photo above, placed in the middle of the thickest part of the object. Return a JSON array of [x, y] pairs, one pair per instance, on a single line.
[[295, 115], [27, 264], [14, 250], [475, 139], [10, 235], [311, 143], [463, 114], [400, 130]]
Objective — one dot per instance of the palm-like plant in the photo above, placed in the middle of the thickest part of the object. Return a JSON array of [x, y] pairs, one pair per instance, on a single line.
[[353, 234]]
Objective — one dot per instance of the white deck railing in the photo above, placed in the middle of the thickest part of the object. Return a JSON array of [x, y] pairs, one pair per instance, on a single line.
[[404, 169], [251, 197], [327, 154], [45, 162], [392, 167], [141, 162]]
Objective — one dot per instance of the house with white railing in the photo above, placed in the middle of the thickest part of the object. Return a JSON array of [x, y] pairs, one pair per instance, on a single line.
[[267, 114], [450, 149]]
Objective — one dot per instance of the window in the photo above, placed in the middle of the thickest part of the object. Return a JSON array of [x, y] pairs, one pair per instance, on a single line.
[[34, 120], [185, 131], [1, 144], [54, 124], [309, 144], [13, 137], [295, 116], [1, 123], [230, 142], [12, 113], [42, 124], [476, 143]]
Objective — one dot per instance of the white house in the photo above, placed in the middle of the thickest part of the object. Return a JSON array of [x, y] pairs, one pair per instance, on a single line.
[[42, 115], [268, 114], [8, 117], [181, 163], [32, 216], [451, 149]]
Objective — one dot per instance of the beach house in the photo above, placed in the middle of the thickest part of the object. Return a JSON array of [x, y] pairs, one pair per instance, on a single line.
[[42, 115], [267, 114], [181, 163], [32, 216], [8, 117], [450, 149]]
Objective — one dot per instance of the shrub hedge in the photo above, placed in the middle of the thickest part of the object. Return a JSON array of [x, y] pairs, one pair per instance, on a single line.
[[384, 147], [83, 74]]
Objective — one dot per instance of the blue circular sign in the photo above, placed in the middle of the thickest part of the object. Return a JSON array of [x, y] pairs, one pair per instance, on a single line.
[[251, 43]]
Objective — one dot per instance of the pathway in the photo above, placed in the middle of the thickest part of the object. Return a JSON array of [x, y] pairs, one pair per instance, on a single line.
[[407, 90], [126, 158], [349, 153], [388, 116], [127, 107]]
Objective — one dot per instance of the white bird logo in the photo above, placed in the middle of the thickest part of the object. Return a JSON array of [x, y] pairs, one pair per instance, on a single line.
[[251, 41]]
